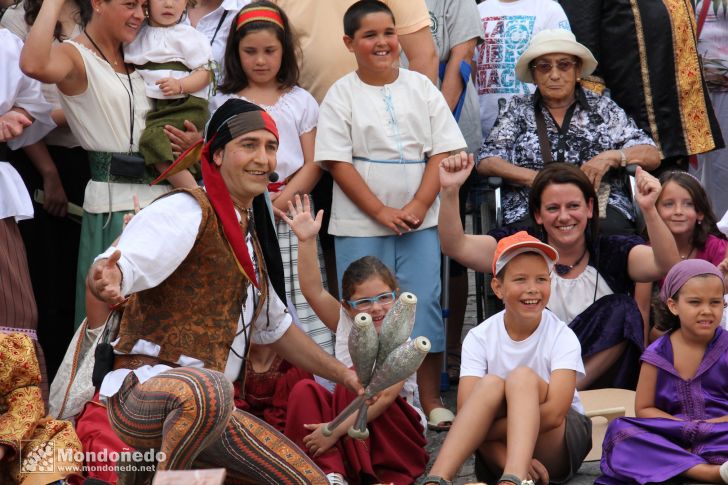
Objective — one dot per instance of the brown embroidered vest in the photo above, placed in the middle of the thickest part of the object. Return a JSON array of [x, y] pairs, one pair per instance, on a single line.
[[195, 311]]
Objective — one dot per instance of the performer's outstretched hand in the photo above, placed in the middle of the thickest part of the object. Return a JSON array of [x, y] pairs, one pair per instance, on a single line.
[[104, 279]]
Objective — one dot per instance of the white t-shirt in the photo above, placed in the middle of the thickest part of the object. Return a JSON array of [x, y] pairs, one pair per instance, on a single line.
[[508, 28], [488, 349], [295, 113], [178, 43], [388, 133]]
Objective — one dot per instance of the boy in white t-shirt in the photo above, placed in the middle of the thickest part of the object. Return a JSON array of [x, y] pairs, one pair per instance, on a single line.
[[518, 381]]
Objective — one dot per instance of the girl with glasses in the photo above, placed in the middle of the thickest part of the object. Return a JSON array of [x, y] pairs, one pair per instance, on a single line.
[[394, 451]]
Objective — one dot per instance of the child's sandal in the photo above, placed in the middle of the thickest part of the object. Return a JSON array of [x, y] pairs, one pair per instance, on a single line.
[[509, 477], [436, 480]]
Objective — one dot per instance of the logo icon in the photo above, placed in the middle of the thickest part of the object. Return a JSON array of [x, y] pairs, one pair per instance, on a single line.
[[37, 457]]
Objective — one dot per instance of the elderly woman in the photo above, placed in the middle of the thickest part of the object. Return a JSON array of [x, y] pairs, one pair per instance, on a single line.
[[562, 122]]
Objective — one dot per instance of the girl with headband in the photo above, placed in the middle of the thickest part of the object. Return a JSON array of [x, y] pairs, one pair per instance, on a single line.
[[261, 67], [681, 428]]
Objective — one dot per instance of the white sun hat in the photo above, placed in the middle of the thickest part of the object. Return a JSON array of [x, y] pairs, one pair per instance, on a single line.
[[554, 41]]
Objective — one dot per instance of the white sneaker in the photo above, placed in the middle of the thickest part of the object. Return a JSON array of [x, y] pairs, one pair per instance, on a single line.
[[337, 479]]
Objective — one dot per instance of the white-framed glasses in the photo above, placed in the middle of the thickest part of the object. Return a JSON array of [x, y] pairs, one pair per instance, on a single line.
[[367, 303]]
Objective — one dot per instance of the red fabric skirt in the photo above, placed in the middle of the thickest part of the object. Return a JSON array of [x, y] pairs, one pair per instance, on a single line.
[[95, 433], [267, 393], [393, 453]]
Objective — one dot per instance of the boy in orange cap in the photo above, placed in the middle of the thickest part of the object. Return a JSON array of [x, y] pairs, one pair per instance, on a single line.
[[518, 381]]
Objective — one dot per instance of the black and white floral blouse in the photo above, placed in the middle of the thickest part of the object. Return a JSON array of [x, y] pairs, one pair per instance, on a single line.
[[597, 124]]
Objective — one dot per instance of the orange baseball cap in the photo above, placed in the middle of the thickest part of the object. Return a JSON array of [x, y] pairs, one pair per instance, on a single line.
[[519, 243]]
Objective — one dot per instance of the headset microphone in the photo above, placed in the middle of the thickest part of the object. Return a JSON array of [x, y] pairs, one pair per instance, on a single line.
[[273, 177]]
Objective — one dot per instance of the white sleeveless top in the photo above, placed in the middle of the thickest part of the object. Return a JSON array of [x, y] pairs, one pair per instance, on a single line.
[[14, 20], [570, 297], [99, 117]]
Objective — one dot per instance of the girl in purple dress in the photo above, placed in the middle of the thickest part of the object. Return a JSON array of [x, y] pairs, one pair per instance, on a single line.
[[681, 428]]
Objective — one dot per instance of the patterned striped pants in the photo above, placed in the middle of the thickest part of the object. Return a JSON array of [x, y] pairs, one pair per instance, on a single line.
[[188, 414]]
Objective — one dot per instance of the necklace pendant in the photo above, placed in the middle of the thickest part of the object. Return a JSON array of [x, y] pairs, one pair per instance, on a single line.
[[562, 269]]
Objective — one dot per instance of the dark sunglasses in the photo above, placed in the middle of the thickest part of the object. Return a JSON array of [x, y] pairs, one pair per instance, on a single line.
[[545, 67]]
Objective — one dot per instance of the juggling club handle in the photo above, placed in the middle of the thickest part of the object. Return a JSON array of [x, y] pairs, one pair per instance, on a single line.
[[359, 431], [329, 428]]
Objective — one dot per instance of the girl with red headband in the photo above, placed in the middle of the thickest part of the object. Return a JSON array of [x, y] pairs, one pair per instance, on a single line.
[[261, 67]]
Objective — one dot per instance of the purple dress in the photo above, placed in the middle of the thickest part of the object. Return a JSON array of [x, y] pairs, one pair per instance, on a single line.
[[642, 450]]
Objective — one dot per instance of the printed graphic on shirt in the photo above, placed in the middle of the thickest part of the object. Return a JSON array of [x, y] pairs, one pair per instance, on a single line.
[[434, 24], [506, 37]]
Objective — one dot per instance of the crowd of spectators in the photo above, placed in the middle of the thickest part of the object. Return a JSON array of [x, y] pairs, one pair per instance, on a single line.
[[198, 198]]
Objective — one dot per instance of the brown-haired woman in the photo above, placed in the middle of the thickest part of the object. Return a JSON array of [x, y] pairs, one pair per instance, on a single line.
[[105, 105], [593, 282]]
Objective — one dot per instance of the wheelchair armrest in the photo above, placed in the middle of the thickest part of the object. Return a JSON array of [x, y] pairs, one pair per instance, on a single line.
[[494, 182]]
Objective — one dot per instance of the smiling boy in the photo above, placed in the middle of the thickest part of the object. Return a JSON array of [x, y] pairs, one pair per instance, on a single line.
[[382, 132], [518, 381]]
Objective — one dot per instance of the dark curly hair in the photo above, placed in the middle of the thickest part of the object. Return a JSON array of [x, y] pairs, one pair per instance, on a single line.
[[565, 173], [32, 7]]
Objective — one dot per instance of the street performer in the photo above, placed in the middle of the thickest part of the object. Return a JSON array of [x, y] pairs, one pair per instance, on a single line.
[[204, 272]]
